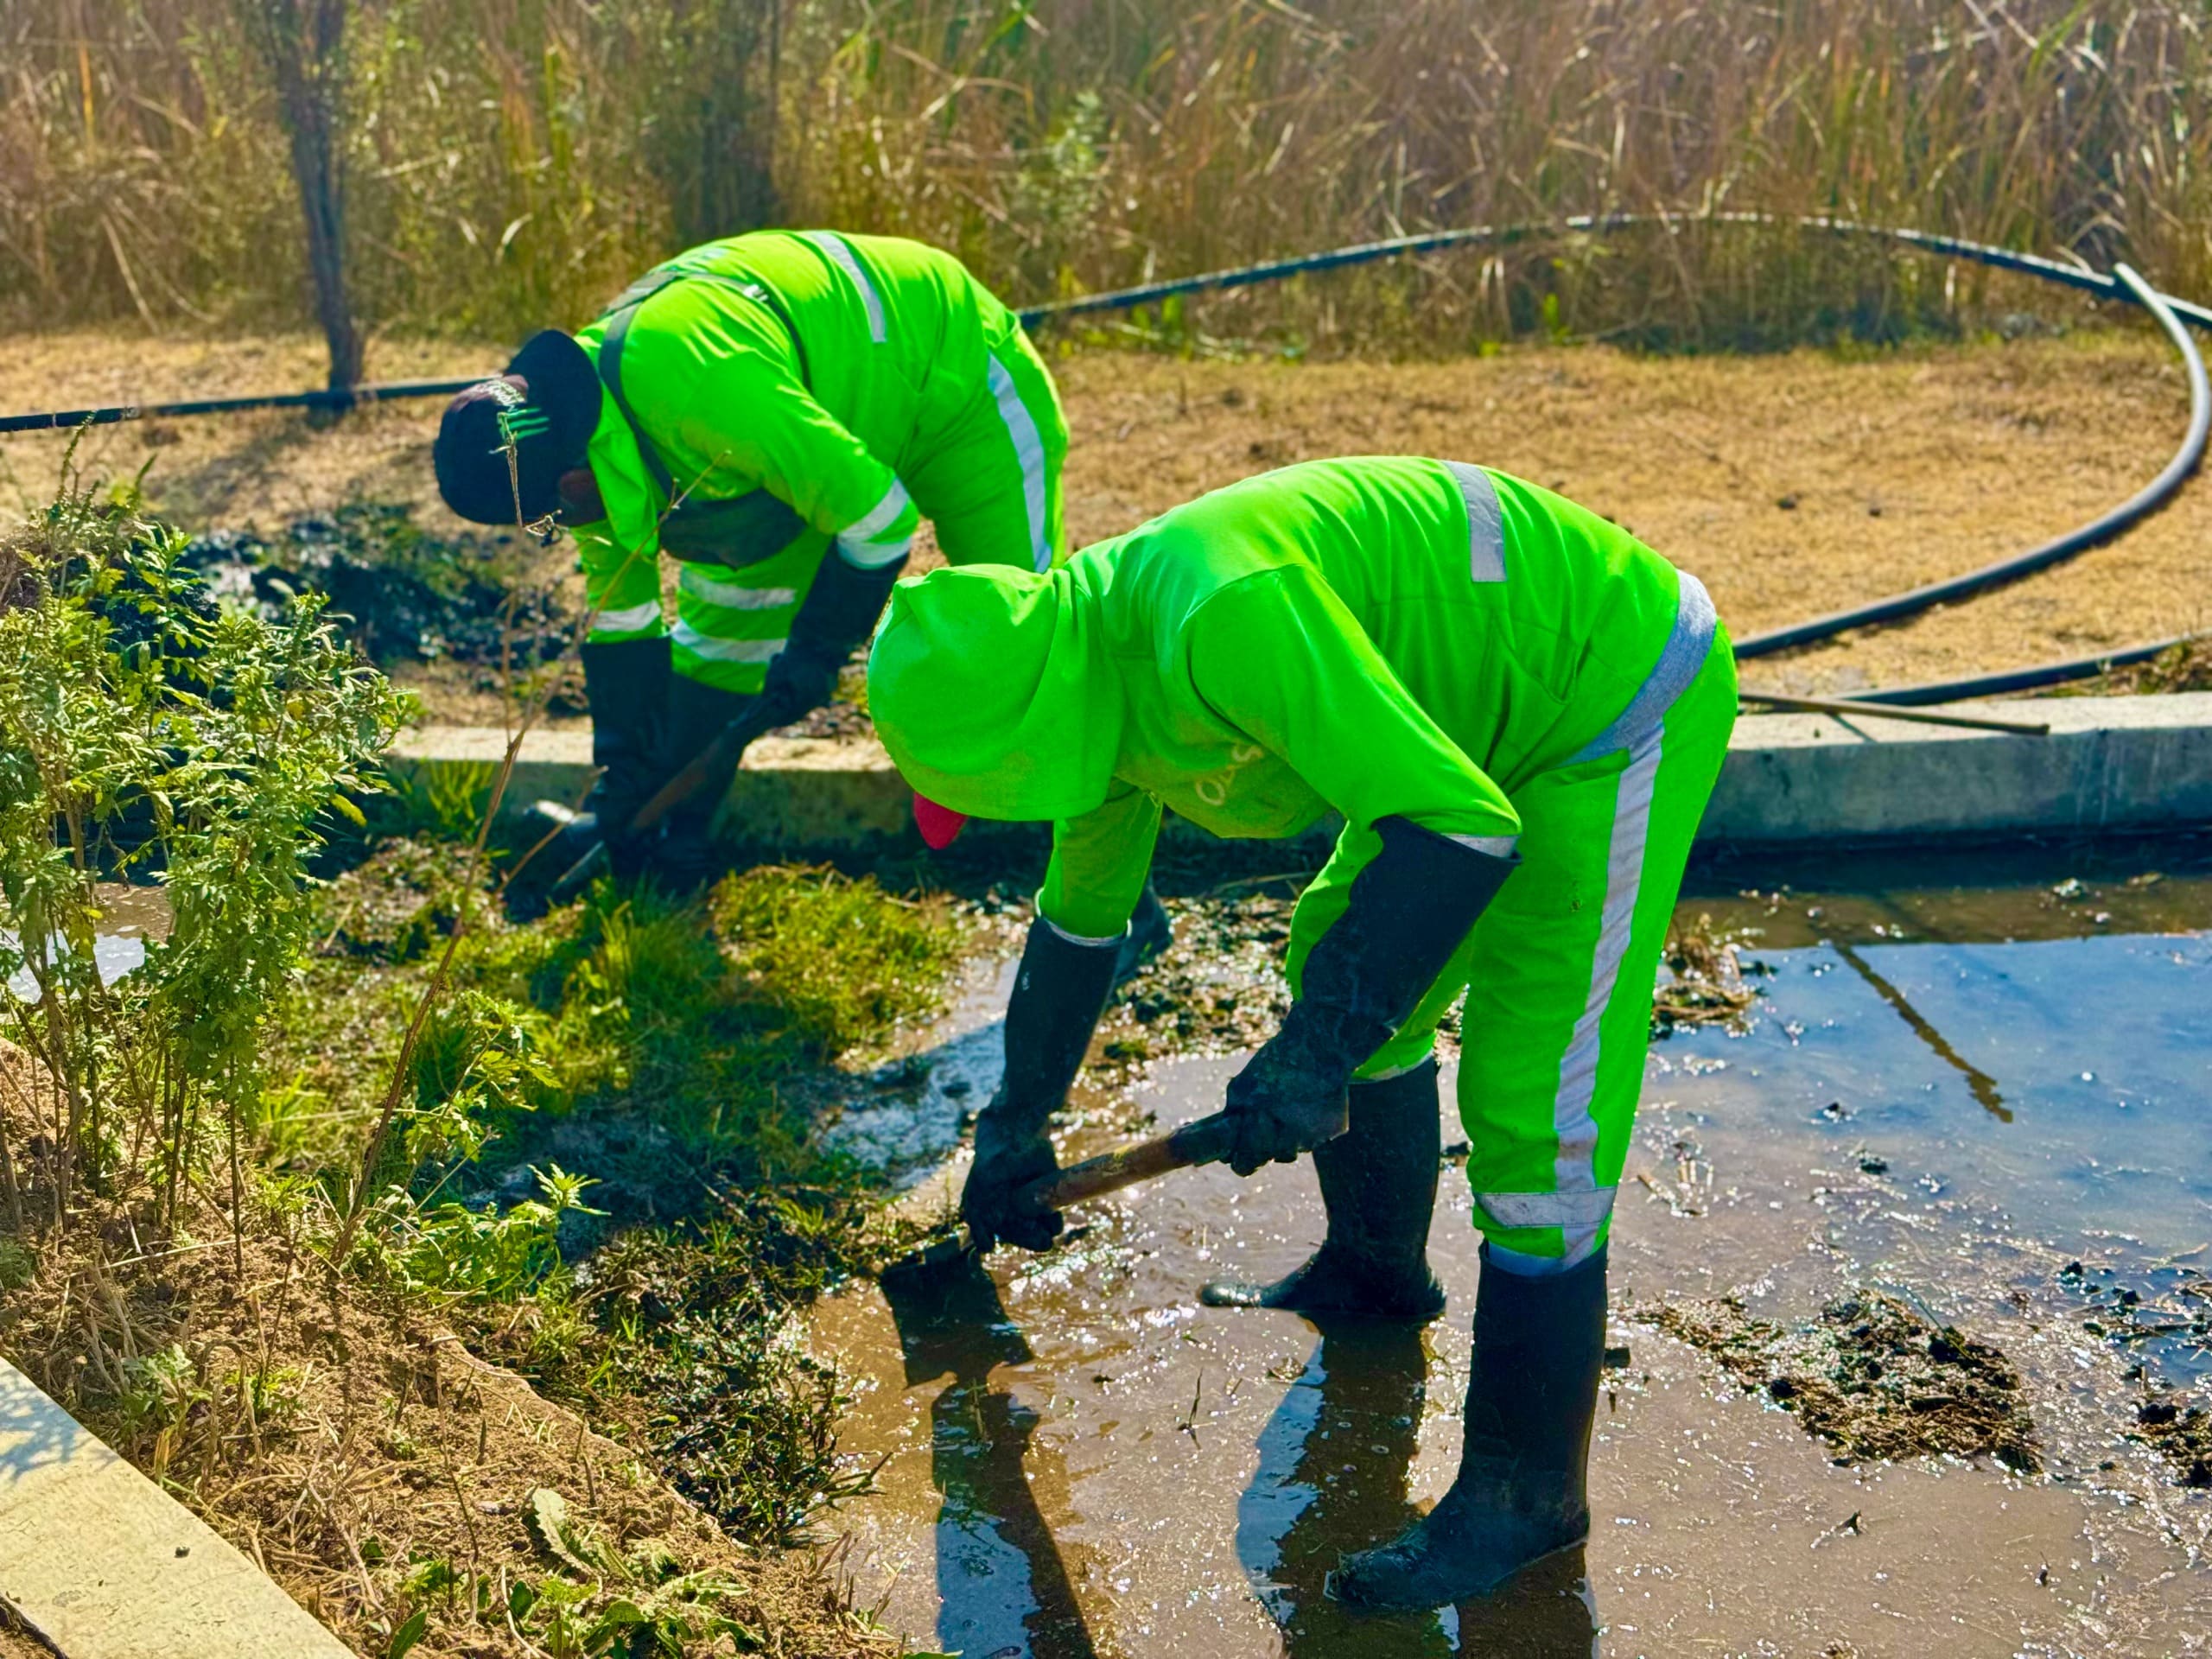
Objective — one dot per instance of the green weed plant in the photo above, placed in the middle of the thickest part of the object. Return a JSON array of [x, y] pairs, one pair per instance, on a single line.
[[148, 735]]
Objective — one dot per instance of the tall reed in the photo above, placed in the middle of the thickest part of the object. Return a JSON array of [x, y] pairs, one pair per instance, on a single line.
[[514, 160]]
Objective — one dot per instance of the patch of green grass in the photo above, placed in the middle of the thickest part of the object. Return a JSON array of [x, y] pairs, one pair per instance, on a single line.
[[665, 1050], [680, 1339]]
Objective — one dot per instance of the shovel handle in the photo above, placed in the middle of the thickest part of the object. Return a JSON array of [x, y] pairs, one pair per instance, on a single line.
[[1207, 1141]]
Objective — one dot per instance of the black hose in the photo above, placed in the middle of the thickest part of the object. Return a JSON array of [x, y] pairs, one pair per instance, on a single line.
[[1124, 299], [70, 419], [2123, 282], [2021, 679], [2101, 529]]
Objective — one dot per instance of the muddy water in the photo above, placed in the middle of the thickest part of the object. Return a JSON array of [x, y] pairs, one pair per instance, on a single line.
[[1081, 1460]]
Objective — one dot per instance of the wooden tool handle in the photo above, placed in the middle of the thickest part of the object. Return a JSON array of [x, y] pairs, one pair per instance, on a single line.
[[1207, 1141], [1895, 711]]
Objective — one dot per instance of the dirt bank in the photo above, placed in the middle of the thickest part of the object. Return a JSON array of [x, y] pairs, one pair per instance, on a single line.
[[1791, 484]]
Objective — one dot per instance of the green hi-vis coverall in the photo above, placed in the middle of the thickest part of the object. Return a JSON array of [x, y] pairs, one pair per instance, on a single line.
[[856, 384], [1381, 636]]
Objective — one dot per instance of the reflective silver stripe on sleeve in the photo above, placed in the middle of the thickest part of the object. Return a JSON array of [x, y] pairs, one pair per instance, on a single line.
[[731, 597], [628, 620], [1082, 939], [1496, 846], [841, 250], [856, 542], [1485, 521], [725, 651], [1679, 659], [1029, 450]]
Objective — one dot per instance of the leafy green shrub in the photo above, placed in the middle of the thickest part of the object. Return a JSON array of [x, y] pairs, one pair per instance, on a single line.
[[458, 1252], [148, 733]]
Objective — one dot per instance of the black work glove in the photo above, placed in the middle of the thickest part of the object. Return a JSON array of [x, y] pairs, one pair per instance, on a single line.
[[801, 677], [1408, 911], [1010, 1154], [1289, 1098], [1058, 994], [838, 612]]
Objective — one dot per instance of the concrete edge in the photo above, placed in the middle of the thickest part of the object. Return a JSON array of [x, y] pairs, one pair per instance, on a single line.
[[100, 1561], [2131, 764]]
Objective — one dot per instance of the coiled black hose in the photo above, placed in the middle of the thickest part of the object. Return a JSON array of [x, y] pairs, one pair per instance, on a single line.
[[2100, 529], [2122, 282]]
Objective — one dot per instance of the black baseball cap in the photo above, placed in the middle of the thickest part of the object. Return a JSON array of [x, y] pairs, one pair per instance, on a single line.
[[547, 420]]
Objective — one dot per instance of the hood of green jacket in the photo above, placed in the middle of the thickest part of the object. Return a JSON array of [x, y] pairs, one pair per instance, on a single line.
[[990, 690]]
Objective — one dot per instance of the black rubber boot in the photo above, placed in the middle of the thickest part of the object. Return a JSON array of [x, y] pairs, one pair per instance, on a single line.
[[1378, 1185], [680, 851], [573, 833], [1150, 933], [1522, 1488]]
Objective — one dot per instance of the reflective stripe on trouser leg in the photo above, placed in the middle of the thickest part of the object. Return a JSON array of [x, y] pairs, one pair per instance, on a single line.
[[730, 624], [1559, 973], [1577, 1206]]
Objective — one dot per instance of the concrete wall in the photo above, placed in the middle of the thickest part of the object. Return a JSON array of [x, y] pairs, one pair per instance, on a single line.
[[2132, 764]]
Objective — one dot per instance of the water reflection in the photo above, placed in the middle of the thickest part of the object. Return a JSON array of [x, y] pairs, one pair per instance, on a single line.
[[1334, 1462], [1004, 1588], [1978, 1082]]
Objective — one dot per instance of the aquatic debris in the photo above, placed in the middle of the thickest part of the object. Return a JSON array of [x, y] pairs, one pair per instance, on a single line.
[[2181, 1434], [1704, 983], [1219, 987], [1871, 1375]]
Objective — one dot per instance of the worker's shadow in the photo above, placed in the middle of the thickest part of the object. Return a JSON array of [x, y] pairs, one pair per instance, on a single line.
[[1003, 1588], [1334, 1460]]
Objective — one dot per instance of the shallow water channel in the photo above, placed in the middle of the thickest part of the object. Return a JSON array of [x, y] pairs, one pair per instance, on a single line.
[[1989, 1102]]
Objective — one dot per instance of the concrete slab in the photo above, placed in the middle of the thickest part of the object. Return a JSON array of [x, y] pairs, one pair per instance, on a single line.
[[2135, 764], [103, 1564], [2108, 763]]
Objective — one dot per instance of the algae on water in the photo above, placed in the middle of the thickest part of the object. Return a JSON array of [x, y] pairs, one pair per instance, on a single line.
[[1870, 1375]]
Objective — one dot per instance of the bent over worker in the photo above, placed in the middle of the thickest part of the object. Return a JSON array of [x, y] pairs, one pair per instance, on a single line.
[[1520, 711], [777, 411]]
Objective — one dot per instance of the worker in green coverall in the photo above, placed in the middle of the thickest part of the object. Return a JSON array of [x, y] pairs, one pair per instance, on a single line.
[[1519, 710], [778, 411]]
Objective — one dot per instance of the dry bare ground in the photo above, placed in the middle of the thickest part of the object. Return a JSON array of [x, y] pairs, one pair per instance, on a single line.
[[1792, 484]]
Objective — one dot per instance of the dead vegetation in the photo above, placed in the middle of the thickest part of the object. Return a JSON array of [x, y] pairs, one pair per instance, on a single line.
[[506, 168], [1702, 981], [2183, 667], [2181, 1434], [351, 1444], [1870, 1375], [1903, 467], [1219, 987]]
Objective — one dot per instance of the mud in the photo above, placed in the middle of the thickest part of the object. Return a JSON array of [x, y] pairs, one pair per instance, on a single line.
[[1870, 1376], [405, 594], [1078, 1459], [1217, 987]]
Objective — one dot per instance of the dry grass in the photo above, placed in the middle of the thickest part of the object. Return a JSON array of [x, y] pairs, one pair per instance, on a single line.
[[513, 164], [2183, 667], [1899, 468], [346, 1445]]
